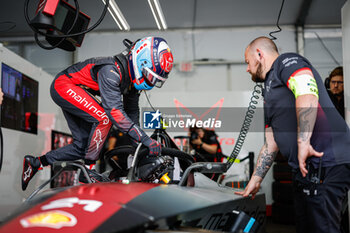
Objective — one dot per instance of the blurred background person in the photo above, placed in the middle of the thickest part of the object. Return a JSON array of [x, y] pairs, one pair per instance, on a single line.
[[206, 145], [336, 89]]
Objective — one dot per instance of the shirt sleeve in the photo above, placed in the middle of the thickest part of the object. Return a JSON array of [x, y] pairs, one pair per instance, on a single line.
[[112, 101], [289, 64]]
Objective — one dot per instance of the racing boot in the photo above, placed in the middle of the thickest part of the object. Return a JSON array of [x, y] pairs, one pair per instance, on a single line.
[[94, 176], [31, 166]]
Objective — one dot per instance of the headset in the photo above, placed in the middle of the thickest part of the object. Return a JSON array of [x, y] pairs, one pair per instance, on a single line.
[[327, 83]]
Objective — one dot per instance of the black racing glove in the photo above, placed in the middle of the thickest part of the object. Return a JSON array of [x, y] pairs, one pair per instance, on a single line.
[[139, 135], [154, 147]]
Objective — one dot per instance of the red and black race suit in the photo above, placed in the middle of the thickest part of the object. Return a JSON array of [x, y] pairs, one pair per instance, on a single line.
[[90, 119]]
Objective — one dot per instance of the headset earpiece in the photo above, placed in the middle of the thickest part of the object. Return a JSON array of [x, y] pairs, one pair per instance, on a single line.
[[128, 43], [326, 83]]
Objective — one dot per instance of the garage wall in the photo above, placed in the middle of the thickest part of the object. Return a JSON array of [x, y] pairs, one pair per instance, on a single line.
[[17, 143], [323, 47], [346, 56], [215, 44]]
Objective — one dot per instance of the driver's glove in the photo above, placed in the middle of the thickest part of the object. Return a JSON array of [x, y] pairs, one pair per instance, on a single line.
[[154, 147]]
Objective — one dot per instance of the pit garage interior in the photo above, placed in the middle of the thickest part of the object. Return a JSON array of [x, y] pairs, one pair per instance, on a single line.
[[208, 39]]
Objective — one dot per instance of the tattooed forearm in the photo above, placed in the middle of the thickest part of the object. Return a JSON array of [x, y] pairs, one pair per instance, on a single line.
[[304, 122], [264, 162]]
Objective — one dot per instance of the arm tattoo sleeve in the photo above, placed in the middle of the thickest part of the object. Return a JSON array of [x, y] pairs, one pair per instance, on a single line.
[[264, 162], [304, 123]]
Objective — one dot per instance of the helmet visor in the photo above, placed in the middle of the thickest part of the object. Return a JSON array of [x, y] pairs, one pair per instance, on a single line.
[[153, 79]]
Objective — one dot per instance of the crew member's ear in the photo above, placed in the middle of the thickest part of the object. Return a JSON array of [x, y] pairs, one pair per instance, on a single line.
[[259, 53]]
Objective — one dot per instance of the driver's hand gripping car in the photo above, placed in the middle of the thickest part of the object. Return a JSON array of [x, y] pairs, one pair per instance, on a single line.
[[118, 79]]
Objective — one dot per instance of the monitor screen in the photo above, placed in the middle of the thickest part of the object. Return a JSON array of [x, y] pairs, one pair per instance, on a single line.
[[60, 139], [19, 109]]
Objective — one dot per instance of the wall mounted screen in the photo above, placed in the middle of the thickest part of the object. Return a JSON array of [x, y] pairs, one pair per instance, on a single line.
[[19, 109]]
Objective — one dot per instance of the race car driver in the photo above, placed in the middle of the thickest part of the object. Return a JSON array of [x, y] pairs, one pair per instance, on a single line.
[[118, 79]]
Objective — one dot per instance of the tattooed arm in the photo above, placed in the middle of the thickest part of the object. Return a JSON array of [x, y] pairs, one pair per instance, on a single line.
[[304, 87], [306, 110], [265, 159]]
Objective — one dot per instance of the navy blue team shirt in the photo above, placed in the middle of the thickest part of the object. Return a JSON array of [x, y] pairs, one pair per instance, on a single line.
[[330, 135]]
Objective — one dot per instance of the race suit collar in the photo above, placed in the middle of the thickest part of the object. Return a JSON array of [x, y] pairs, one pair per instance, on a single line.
[[126, 84]]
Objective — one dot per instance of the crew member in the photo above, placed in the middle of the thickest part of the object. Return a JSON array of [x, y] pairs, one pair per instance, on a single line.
[[206, 146], [336, 89], [304, 125], [118, 80]]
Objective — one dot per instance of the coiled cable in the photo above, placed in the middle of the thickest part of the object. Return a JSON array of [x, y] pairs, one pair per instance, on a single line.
[[246, 124], [277, 23], [36, 31], [36, 36], [252, 106]]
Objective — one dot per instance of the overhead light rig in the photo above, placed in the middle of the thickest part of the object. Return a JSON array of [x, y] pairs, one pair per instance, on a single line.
[[63, 25]]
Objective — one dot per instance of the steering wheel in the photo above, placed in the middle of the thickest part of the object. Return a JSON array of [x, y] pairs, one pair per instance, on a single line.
[[182, 156], [124, 151]]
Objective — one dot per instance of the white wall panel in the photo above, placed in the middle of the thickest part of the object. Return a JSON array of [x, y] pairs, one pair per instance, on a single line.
[[346, 56], [226, 44], [17, 143], [321, 58], [346, 63], [54, 61]]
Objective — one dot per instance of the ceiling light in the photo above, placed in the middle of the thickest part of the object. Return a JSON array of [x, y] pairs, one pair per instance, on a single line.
[[158, 14], [117, 15]]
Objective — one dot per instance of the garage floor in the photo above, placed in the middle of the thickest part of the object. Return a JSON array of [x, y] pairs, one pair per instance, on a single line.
[[272, 227]]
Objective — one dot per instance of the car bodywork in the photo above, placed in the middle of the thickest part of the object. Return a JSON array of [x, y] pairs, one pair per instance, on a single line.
[[139, 207]]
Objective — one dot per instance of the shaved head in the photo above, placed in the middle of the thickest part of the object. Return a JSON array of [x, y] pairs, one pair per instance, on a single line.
[[263, 43], [259, 56]]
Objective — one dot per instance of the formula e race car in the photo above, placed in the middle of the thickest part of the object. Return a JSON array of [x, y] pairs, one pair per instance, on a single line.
[[142, 201]]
